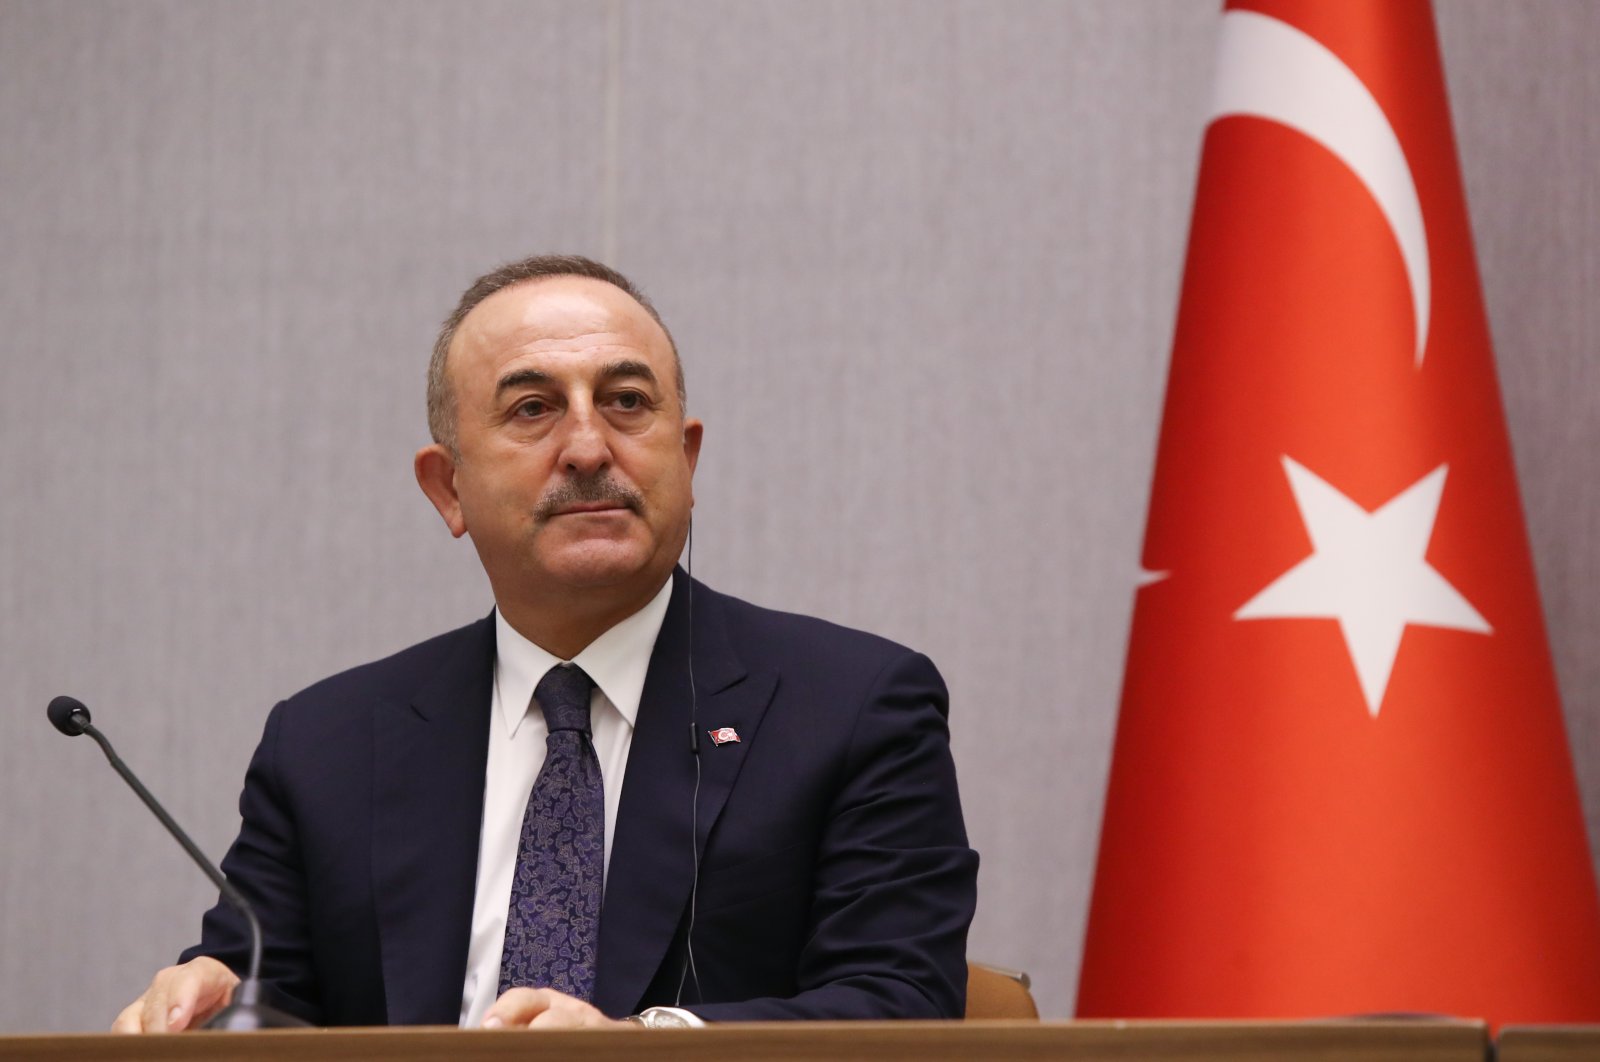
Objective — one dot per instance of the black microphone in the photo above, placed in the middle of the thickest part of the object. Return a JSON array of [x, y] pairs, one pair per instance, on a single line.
[[246, 1011]]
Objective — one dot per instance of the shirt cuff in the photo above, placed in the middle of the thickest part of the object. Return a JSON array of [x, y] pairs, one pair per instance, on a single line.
[[670, 1018]]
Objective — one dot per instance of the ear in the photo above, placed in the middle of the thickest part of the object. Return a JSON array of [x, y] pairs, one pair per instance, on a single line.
[[436, 475], [693, 430]]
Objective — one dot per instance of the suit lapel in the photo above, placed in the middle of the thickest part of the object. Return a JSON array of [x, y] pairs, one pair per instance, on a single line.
[[652, 861], [428, 771]]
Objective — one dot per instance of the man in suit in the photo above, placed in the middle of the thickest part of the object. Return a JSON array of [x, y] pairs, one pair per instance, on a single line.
[[622, 794]]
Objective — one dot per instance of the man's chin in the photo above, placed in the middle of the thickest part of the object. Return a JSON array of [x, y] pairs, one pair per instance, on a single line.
[[597, 565]]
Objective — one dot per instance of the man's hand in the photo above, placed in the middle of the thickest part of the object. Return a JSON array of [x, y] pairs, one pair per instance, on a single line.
[[180, 997], [544, 1008]]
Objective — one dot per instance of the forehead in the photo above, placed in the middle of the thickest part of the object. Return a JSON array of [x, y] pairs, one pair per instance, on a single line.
[[565, 321]]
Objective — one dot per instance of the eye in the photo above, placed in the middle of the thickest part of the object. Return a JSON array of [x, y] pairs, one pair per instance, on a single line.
[[629, 401], [531, 407]]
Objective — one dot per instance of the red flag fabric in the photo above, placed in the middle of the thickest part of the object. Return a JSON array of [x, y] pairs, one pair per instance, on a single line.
[[1341, 782]]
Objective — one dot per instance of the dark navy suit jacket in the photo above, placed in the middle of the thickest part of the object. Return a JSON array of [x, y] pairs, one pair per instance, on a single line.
[[835, 879]]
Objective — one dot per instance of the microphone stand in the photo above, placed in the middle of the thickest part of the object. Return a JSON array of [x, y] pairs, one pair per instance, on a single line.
[[245, 1011]]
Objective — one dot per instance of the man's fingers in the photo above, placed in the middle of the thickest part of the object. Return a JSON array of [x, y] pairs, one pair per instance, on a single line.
[[561, 1017], [542, 1008], [180, 1004], [179, 997], [128, 1020], [518, 1006], [206, 989], [154, 1004], [206, 1008]]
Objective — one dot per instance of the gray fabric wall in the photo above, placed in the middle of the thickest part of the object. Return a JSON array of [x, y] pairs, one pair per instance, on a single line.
[[922, 259]]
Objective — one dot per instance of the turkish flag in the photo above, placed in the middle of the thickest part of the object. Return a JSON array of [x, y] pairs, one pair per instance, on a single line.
[[1341, 783]]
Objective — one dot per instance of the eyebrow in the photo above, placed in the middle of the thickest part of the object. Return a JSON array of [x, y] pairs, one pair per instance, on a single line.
[[627, 367], [610, 371], [520, 378]]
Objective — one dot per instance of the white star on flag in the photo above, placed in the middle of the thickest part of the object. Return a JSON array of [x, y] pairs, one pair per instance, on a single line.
[[1369, 572]]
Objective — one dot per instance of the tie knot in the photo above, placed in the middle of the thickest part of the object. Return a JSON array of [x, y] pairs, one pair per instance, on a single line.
[[563, 696]]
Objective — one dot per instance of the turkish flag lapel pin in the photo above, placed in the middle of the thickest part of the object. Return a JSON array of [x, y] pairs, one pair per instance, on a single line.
[[723, 735]]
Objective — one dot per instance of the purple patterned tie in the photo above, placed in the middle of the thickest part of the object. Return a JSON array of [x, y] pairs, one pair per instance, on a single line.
[[553, 924]]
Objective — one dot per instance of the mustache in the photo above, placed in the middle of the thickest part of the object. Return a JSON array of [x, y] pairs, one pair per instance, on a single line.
[[579, 490]]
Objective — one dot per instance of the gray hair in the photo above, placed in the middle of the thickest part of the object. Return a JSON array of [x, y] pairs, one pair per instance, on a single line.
[[441, 396]]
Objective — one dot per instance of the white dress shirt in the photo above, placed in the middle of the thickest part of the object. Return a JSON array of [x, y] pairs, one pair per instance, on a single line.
[[617, 662]]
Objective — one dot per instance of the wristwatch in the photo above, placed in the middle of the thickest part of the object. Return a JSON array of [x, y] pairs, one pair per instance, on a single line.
[[664, 1018]]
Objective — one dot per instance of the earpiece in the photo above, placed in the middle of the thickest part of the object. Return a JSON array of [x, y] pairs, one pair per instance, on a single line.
[[694, 810]]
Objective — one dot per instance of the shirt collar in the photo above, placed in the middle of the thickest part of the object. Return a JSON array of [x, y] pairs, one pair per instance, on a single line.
[[617, 661]]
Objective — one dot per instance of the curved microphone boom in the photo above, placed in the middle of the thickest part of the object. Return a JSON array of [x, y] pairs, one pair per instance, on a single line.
[[245, 1011]]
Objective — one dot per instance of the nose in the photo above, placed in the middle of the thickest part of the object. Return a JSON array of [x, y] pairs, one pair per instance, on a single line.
[[585, 449]]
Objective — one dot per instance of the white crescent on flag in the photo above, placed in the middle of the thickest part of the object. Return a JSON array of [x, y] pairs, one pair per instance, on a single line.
[[1268, 69]]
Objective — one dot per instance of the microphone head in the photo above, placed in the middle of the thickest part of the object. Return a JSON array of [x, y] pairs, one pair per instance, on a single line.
[[68, 715]]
